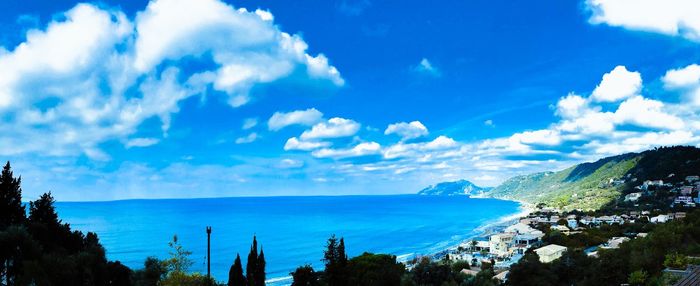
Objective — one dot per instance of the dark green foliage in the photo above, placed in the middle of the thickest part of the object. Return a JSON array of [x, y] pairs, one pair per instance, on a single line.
[[235, 274], [427, 272], [12, 211], [42, 211], [152, 272], [305, 276], [255, 268], [43, 251], [335, 261], [260, 269], [374, 270]]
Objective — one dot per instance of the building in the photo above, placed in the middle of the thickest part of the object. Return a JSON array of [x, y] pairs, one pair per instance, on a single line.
[[499, 244], [550, 252], [633, 197], [572, 223], [691, 179], [659, 219], [684, 200], [614, 242], [502, 277], [686, 190]]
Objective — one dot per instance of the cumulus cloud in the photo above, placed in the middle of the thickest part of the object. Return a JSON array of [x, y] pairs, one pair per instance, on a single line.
[[306, 117], [673, 17], [407, 131], [250, 138], [685, 80], [362, 149], [96, 75], [296, 144], [333, 128], [617, 85]]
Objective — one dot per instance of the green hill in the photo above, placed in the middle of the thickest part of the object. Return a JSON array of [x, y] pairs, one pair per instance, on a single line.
[[590, 186]]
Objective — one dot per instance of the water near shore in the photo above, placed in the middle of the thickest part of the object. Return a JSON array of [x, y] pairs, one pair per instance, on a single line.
[[292, 230]]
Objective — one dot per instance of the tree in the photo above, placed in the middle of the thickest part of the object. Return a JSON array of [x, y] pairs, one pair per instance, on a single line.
[[43, 211], [153, 271], [304, 276], [260, 269], [374, 270], [638, 278], [255, 268], [177, 266], [335, 261], [235, 274], [12, 211]]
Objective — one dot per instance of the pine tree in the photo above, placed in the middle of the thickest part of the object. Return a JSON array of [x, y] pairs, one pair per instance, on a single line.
[[11, 209], [335, 259], [235, 275], [260, 271], [252, 265], [43, 211]]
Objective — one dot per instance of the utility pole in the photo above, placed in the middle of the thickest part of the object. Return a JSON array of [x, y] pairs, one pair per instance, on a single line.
[[209, 253]]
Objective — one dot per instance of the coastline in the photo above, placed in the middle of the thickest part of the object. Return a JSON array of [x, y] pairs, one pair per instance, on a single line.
[[487, 228], [483, 230]]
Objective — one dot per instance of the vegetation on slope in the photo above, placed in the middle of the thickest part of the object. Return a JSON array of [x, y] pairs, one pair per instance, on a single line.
[[588, 186]]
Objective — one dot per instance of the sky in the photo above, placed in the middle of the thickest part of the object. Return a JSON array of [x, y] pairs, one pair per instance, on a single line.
[[212, 98]]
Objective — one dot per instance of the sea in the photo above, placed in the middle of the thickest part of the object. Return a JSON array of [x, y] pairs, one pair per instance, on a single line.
[[293, 231]]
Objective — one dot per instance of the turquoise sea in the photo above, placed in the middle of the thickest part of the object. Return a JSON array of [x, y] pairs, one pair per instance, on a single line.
[[292, 230]]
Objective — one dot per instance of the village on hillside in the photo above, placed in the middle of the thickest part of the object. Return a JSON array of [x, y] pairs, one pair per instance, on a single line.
[[504, 246]]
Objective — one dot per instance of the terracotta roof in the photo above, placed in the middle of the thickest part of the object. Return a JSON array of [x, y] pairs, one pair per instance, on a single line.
[[692, 279]]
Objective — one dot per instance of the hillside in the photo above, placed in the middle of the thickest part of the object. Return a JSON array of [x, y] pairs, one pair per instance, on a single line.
[[593, 185], [456, 188]]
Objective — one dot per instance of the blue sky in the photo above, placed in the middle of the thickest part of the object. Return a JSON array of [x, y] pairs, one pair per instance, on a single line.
[[183, 98]]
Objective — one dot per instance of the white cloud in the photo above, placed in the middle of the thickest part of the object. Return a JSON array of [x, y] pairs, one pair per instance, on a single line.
[[542, 137], [646, 112], [362, 149], [489, 122], [426, 67], [296, 144], [249, 123], [617, 85], [247, 139], [333, 128], [407, 131], [572, 106], [95, 75], [141, 142], [306, 117], [688, 76], [290, 164], [672, 17], [686, 80]]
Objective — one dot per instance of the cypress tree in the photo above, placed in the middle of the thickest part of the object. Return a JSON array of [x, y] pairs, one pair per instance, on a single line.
[[260, 273], [252, 265], [11, 209], [235, 274]]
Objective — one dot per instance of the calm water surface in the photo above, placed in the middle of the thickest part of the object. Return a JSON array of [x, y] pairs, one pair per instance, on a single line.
[[292, 230]]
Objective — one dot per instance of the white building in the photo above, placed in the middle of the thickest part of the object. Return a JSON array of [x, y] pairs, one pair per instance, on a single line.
[[615, 242], [659, 219], [550, 252], [633, 197], [499, 244]]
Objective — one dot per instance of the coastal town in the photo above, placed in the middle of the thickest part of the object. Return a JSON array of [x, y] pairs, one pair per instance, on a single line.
[[505, 245]]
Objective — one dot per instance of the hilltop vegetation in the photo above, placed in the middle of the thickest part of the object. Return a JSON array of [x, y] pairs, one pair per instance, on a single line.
[[591, 186]]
